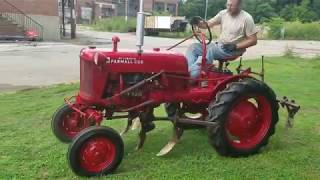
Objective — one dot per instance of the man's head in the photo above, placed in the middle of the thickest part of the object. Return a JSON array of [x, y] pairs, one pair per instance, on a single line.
[[233, 6]]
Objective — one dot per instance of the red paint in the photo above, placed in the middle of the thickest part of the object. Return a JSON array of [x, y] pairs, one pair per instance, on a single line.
[[97, 154], [248, 122], [101, 78], [72, 124], [115, 40], [31, 34]]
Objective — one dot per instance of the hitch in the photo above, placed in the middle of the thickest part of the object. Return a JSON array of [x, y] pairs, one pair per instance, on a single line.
[[261, 74], [292, 109]]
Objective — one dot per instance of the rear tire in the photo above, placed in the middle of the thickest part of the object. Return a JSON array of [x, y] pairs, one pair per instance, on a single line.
[[246, 113], [95, 151]]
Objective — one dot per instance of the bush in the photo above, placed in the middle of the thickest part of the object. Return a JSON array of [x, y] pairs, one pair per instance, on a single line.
[[161, 13], [115, 24], [275, 27], [293, 30], [302, 31], [298, 13]]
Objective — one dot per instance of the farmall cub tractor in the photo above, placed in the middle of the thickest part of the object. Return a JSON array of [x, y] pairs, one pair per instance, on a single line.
[[239, 111]]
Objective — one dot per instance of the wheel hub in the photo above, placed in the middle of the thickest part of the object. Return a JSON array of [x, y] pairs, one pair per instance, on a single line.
[[72, 124], [248, 122], [97, 154], [243, 119]]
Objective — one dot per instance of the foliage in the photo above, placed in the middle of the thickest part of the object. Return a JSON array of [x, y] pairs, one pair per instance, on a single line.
[[30, 151], [275, 26], [161, 13], [293, 30], [175, 34], [115, 24], [264, 12], [302, 13], [302, 31], [261, 10]]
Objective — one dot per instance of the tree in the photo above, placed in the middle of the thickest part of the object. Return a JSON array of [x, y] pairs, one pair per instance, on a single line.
[[303, 12], [261, 10]]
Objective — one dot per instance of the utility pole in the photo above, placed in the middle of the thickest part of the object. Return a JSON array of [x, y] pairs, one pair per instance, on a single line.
[[126, 10], [206, 9], [63, 5], [73, 19]]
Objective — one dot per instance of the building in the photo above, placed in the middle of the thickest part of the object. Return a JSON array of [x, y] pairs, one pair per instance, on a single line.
[[89, 10], [19, 16]]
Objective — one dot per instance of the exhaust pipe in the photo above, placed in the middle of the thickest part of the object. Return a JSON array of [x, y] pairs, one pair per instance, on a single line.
[[140, 27]]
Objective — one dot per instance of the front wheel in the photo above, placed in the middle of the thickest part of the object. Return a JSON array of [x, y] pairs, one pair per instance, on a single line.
[[67, 123], [246, 113], [95, 151]]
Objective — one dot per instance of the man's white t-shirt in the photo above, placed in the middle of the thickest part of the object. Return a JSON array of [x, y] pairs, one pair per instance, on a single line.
[[234, 28]]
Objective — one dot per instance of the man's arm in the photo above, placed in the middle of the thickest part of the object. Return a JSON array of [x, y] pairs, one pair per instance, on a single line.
[[251, 34], [248, 42], [212, 22], [216, 20]]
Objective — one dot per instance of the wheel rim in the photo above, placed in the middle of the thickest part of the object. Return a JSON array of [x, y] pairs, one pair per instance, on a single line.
[[72, 124], [96, 154], [248, 122]]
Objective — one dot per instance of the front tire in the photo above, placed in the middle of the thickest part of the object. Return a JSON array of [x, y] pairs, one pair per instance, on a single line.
[[95, 151], [66, 123], [246, 112]]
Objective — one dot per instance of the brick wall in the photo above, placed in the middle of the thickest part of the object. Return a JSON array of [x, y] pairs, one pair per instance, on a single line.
[[44, 12], [120, 7], [37, 7]]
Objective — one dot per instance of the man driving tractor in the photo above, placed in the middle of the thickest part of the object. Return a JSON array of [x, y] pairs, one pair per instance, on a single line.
[[238, 32]]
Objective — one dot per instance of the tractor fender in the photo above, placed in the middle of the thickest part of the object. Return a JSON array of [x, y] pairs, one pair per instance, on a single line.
[[223, 84]]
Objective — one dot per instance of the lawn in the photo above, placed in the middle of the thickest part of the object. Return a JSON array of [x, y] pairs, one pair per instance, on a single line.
[[28, 149]]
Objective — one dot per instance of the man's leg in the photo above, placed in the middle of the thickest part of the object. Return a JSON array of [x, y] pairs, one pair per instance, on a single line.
[[214, 52], [192, 55]]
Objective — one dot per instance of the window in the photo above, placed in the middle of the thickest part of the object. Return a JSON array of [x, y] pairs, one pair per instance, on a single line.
[[159, 6], [172, 9]]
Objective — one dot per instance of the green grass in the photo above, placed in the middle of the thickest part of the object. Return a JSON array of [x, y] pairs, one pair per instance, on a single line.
[[28, 149], [295, 30], [302, 31], [115, 24], [180, 35]]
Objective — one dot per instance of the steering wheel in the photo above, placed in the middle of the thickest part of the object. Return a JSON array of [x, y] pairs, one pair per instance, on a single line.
[[196, 30]]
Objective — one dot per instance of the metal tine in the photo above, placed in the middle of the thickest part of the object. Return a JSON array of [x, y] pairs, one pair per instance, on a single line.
[[177, 133]]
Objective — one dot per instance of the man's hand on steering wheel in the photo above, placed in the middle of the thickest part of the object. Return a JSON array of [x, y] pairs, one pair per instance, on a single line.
[[197, 22]]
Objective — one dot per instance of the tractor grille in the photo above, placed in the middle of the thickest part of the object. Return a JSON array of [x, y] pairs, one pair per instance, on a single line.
[[86, 78], [92, 80]]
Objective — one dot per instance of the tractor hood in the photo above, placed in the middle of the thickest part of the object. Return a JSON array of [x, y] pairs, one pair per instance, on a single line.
[[149, 61]]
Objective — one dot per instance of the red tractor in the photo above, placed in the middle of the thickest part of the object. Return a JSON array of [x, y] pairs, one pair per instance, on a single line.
[[239, 111]]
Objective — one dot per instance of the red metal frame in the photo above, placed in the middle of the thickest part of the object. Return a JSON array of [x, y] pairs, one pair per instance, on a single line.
[[168, 81]]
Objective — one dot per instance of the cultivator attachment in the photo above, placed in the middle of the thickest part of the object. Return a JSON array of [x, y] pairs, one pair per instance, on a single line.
[[145, 121], [177, 133], [292, 109], [133, 123]]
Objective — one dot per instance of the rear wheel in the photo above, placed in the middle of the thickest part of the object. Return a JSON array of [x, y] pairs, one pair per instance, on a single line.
[[246, 112], [95, 151]]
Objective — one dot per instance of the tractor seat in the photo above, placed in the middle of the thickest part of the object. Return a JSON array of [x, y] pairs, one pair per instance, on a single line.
[[231, 58]]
